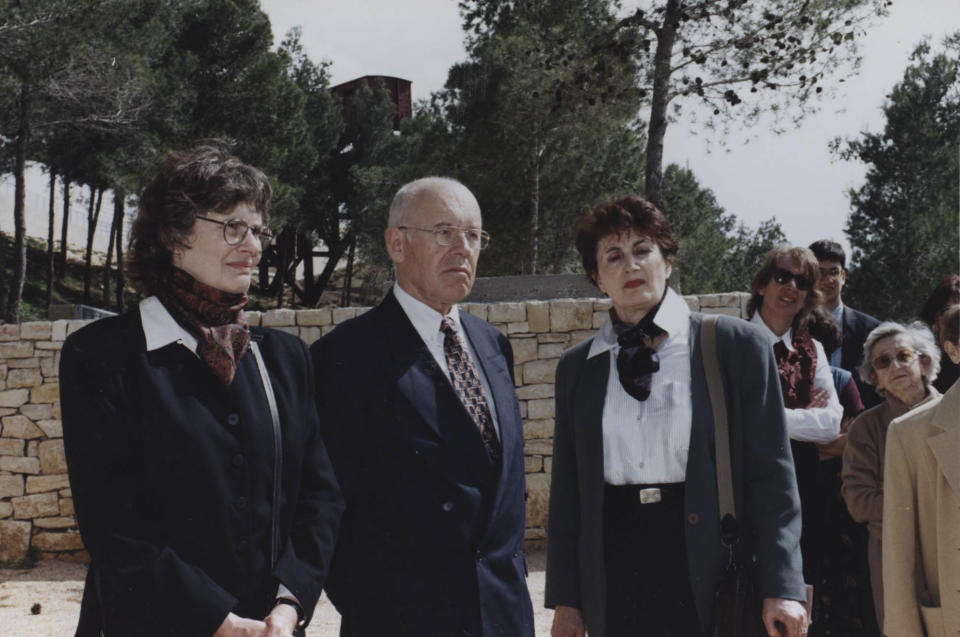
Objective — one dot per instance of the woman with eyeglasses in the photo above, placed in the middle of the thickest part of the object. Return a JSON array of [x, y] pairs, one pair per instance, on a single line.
[[784, 293], [202, 489], [901, 361]]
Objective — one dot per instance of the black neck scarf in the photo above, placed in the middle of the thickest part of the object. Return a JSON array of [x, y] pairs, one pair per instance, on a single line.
[[637, 361]]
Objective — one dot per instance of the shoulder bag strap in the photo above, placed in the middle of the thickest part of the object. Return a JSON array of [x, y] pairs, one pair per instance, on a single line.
[[718, 402], [277, 454]]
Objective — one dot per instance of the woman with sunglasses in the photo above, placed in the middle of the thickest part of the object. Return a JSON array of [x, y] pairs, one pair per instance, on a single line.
[[901, 361], [202, 489], [784, 293]]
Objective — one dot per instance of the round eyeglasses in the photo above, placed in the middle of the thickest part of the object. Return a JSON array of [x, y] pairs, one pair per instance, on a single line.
[[235, 231], [903, 356], [448, 235]]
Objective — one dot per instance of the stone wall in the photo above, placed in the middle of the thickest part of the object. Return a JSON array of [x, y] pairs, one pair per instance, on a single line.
[[36, 511]]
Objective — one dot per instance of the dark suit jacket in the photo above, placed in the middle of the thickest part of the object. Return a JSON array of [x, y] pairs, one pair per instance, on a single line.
[[765, 489], [432, 537], [172, 477], [856, 327]]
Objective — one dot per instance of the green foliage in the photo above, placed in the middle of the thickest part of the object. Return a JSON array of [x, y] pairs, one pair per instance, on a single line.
[[904, 223]]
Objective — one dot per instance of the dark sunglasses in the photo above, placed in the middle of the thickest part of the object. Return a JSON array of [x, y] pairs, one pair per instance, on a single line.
[[904, 357], [783, 277]]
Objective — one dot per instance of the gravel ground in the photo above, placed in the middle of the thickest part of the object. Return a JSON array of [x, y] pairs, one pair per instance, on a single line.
[[58, 586]]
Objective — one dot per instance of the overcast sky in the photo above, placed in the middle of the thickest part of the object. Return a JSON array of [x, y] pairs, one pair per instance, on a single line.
[[791, 176]]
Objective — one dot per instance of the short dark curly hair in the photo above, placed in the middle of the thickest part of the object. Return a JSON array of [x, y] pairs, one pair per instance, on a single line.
[[618, 216], [206, 178]]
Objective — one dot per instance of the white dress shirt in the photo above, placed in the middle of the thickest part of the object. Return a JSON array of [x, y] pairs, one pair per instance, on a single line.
[[647, 441], [426, 321], [812, 424], [160, 329]]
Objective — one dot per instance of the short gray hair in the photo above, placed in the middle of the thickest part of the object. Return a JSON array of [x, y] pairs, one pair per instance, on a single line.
[[917, 335], [401, 206]]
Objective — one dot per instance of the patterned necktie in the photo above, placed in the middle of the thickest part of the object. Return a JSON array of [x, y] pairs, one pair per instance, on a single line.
[[468, 387]]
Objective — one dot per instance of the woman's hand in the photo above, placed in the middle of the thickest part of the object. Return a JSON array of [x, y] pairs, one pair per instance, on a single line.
[[567, 622], [819, 398], [236, 626], [789, 614], [834, 448], [282, 621]]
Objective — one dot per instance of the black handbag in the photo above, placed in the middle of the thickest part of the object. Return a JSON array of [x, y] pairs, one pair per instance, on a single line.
[[738, 607]]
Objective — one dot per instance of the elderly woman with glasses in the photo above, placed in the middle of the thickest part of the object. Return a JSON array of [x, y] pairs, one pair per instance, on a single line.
[[202, 489], [901, 361]]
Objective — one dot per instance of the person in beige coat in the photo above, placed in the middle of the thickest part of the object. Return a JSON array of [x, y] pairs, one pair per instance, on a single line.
[[902, 362], [921, 508]]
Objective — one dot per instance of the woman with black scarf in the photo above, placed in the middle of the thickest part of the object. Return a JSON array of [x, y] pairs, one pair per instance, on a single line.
[[202, 488]]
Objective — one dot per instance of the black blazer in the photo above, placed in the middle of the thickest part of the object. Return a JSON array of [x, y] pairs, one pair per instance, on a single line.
[[856, 327], [172, 477], [432, 537], [765, 490]]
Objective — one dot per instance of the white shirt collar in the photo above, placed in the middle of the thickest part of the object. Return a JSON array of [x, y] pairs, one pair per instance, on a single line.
[[425, 319], [673, 317], [786, 339], [160, 328]]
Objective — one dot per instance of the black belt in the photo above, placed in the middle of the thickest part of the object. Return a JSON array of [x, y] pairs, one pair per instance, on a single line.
[[647, 493]]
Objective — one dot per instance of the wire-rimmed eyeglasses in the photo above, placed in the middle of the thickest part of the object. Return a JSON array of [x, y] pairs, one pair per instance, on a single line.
[[448, 235], [235, 231]]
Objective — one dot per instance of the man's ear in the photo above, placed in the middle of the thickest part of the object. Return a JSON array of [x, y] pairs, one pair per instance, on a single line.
[[393, 240]]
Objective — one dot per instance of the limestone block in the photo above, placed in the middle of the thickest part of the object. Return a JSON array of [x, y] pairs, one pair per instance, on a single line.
[[279, 318], [311, 318], [15, 464], [538, 429], [51, 428], [599, 318], [11, 447], [60, 522], [538, 316], [36, 331], [507, 312], [518, 328], [553, 338], [33, 447], [729, 311], [523, 409], [602, 305], [517, 375], [480, 310], [252, 318], [24, 377], [46, 393], [20, 427], [47, 346], [23, 363], [39, 505], [50, 367], [540, 371], [43, 484], [538, 497], [693, 302], [3, 369], [66, 506], [548, 465], [567, 315], [58, 330], [309, 334], [5, 510], [327, 329], [3, 385], [532, 464], [6, 411], [74, 325], [14, 540], [9, 332], [719, 300], [341, 314], [531, 534], [11, 486], [543, 390], [56, 410], [538, 447], [550, 350], [540, 408], [524, 349], [16, 350], [69, 541], [581, 335], [502, 329], [52, 458], [37, 412]]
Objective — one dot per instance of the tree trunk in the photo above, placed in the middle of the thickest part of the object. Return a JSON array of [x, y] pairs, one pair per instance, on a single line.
[[121, 195], [93, 216], [51, 223], [666, 36], [117, 212], [348, 277], [64, 224], [530, 267], [305, 244], [15, 293]]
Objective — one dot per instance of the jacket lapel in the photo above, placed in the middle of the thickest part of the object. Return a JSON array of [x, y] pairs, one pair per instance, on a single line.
[[494, 367], [589, 395], [946, 444]]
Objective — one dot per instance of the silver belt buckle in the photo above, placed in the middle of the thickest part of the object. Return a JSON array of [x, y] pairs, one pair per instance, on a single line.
[[650, 496]]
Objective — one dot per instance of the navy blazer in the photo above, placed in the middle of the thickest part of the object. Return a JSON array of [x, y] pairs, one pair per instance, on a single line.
[[432, 537], [856, 327], [765, 490], [172, 477]]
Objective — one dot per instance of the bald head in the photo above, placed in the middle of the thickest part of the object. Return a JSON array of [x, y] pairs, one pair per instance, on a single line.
[[426, 192]]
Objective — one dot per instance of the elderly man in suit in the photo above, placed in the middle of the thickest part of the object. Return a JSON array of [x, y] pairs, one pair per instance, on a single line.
[[854, 325], [424, 431]]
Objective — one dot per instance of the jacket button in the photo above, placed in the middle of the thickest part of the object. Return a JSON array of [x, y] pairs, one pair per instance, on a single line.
[[238, 460], [240, 503], [693, 519], [448, 506], [233, 420]]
